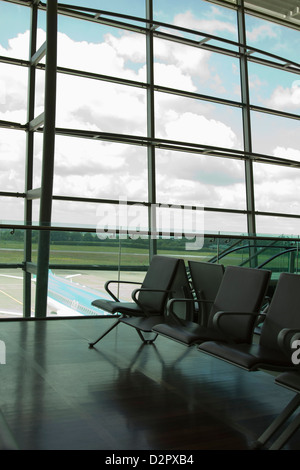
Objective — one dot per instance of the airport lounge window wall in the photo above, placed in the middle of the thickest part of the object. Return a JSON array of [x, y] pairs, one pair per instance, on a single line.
[[160, 105]]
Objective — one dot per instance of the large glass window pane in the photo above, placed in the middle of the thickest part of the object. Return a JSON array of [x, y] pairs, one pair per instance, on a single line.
[[105, 50], [101, 106], [11, 210], [134, 7], [277, 225], [12, 160], [14, 30], [272, 38], [37, 159], [200, 180], [190, 120], [222, 223], [107, 218], [198, 15], [39, 97], [196, 70], [273, 88], [95, 169], [275, 188], [13, 93], [273, 135]]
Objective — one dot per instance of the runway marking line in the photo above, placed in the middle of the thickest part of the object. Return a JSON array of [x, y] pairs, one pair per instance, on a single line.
[[5, 293]]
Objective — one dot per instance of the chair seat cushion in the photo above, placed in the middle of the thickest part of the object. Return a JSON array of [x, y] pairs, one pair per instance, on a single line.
[[188, 333], [247, 356], [129, 308], [143, 323]]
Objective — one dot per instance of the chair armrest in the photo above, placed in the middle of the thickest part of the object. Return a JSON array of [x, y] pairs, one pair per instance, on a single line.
[[106, 286], [146, 289], [243, 334], [172, 314]]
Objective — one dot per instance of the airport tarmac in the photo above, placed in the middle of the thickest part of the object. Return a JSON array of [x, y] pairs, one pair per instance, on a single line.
[[11, 287]]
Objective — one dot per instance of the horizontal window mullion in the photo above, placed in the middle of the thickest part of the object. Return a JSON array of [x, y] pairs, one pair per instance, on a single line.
[[12, 125], [275, 112], [14, 61], [189, 94], [96, 76], [179, 146], [12, 194]]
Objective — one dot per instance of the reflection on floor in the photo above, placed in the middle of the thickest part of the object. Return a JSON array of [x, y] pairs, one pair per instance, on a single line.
[[56, 393]]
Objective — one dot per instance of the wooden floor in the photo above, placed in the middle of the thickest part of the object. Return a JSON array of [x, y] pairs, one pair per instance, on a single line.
[[56, 393]]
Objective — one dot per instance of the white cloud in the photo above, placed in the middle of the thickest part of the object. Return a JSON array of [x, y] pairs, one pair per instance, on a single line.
[[255, 82], [189, 20], [102, 106], [17, 47], [289, 153], [191, 127], [261, 32], [171, 76], [188, 60], [278, 194], [128, 46], [12, 151], [276, 191], [285, 98], [13, 99]]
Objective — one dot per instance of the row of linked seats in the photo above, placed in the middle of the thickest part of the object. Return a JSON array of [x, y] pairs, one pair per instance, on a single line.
[[216, 310]]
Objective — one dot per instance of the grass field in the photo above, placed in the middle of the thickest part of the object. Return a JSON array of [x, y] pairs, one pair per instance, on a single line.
[[77, 254], [99, 254]]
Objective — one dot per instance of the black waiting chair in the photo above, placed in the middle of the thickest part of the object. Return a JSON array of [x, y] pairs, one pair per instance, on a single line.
[[240, 296], [180, 288], [283, 312], [148, 301], [291, 381]]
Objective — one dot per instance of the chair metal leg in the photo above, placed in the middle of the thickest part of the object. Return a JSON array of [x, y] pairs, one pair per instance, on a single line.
[[91, 345], [275, 425], [146, 341]]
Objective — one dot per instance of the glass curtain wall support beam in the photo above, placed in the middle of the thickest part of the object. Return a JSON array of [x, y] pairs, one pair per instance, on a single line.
[[245, 95], [29, 162], [48, 161], [246, 119], [151, 129]]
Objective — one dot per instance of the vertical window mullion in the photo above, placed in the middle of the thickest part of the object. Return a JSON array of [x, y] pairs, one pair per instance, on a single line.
[[48, 161], [246, 119], [151, 131], [29, 164]]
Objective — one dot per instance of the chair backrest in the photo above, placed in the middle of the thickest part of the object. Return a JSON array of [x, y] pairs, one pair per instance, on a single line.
[[181, 289], [241, 290], [206, 279], [284, 310], [160, 276]]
